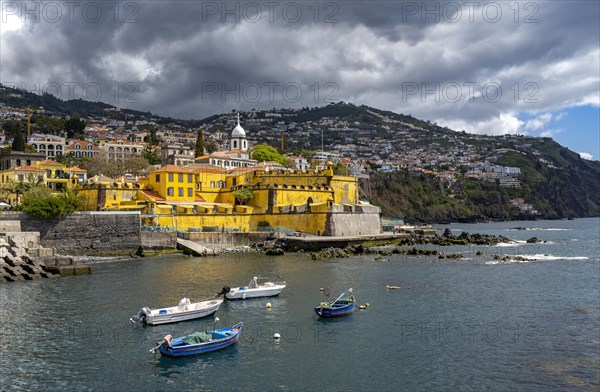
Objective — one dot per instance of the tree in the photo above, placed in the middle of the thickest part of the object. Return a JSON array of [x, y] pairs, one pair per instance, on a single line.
[[199, 144], [211, 146], [342, 170], [11, 127], [243, 195], [263, 153], [19, 141], [40, 201], [152, 137], [134, 165], [52, 125], [74, 126], [151, 154]]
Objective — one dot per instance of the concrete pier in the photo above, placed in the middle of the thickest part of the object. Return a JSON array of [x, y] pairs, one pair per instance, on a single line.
[[195, 248]]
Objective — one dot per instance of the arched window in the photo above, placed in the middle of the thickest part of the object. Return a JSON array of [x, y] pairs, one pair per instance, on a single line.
[[89, 147], [235, 144], [77, 146]]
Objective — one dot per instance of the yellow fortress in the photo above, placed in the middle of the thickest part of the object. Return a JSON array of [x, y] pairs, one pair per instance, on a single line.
[[248, 197]]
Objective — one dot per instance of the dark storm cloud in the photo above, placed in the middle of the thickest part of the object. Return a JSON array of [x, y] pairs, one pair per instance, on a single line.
[[193, 59]]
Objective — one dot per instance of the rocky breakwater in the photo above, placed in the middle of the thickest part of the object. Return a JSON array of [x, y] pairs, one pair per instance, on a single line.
[[16, 263], [407, 246], [23, 258]]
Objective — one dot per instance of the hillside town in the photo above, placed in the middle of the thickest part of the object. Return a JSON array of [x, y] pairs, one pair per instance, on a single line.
[[373, 141]]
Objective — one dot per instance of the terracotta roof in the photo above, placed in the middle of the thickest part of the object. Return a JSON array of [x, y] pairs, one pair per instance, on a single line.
[[29, 168], [50, 162], [152, 195], [77, 169], [100, 178], [172, 169], [199, 168]]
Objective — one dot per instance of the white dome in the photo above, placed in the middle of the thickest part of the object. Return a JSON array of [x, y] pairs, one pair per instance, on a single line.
[[238, 131]]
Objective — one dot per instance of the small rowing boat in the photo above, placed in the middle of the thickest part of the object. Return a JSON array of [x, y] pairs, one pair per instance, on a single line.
[[342, 306], [199, 342]]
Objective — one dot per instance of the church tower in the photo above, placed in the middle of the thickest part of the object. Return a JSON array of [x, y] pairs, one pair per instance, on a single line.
[[238, 139]]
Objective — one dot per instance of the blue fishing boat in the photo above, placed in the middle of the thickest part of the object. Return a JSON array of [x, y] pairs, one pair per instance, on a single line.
[[199, 342], [342, 306]]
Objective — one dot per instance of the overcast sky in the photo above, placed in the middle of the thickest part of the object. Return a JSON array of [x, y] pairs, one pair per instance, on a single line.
[[485, 67]]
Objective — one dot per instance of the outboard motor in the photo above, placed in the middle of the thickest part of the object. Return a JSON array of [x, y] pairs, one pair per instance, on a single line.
[[224, 291], [141, 316]]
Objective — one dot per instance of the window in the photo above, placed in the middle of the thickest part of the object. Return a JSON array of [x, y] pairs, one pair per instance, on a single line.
[[77, 146], [89, 146], [212, 184], [235, 144], [157, 178], [20, 177], [190, 178], [180, 191], [190, 192], [170, 191], [170, 177], [180, 178]]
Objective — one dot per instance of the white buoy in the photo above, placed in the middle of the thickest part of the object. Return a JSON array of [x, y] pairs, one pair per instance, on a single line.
[[268, 305], [276, 336]]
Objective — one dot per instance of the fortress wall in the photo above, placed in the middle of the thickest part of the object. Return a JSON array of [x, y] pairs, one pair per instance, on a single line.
[[85, 233], [340, 224]]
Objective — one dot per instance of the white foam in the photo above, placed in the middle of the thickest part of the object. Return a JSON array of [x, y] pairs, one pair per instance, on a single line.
[[540, 229], [510, 244], [535, 258], [552, 257]]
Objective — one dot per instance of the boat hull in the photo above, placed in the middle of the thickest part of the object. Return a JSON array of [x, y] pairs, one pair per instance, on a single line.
[[239, 293], [335, 311], [203, 348], [175, 315]]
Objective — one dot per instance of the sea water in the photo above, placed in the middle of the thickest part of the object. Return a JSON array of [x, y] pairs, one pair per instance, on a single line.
[[527, 323]]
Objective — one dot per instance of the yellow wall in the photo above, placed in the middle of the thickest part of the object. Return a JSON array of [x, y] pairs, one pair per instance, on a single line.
[[292, 195]]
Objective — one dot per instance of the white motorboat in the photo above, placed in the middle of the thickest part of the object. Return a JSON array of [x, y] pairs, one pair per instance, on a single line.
[[253, 290], [185, 310]]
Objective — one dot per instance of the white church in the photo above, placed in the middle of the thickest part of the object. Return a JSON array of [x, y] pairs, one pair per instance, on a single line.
[[236, 156]]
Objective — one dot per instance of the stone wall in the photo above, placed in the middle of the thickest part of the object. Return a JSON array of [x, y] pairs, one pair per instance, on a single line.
[[85, 233], [225, 240], [340, 224], [158, 240]]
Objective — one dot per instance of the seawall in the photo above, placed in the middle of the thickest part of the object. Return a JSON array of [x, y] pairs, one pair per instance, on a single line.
[[85, 233]]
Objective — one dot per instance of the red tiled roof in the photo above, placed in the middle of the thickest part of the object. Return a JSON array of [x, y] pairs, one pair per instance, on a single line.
[[152, 195], [172, 169]]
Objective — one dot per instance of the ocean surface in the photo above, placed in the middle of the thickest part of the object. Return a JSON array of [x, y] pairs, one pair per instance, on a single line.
[[528, 323]]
